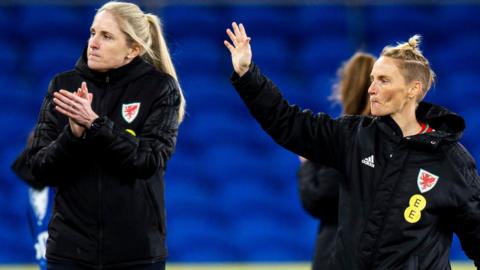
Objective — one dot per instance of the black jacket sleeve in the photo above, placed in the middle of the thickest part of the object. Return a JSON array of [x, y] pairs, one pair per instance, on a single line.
[[315, 137], [467, 225], [466, 220], [21, 169], [142, 155], [53, 143], [318, 186]]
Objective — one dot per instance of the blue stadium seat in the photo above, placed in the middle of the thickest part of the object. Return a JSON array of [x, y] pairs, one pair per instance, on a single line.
[[7, 15], [383, 23], [319, 54], [459, 55], [16, 96], [263, 21], [184, 164], [276, 238], [52, 21], [51, 56], [462, 89], [221, 127], [14, 235], [272, 54], [440, 94], [237, 192], [459, 19], [222, 162], [322, 20], [19, 126], [209, 92], [11, 57], [198, 54], [187, 195], [470, 137], [17, 245], [188, 243], [188, 20], [281, 167]]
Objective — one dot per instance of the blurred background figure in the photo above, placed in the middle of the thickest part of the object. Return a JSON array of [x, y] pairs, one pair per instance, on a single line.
[[219, 211], [318, 184]]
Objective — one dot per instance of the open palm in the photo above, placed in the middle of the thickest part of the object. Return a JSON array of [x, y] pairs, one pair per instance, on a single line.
[[240, 50]]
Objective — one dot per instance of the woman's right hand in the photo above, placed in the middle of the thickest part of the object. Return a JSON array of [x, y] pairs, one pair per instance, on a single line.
[[77, 129], [240, 50]]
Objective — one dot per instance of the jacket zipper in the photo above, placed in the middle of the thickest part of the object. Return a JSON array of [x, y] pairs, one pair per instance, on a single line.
[[155, 207], [100, 223], [100, 212], [377, 242]]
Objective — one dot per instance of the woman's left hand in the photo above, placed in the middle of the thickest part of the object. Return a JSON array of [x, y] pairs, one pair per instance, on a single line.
[[240, 50], [78, 109]]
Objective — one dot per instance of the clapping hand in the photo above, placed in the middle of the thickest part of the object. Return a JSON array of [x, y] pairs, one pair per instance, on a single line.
[[77, 107]]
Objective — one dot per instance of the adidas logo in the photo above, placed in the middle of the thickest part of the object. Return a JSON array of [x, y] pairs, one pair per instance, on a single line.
[[369, 161]]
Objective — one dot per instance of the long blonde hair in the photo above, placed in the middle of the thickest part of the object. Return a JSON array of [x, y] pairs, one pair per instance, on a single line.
[[412, 63], [145, 29], [354, 79]]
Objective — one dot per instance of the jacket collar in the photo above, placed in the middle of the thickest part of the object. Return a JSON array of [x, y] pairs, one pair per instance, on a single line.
[[448, 126], [119, 76]]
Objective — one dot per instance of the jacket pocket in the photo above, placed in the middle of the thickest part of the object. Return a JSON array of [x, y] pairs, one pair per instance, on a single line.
[[155, 207], [412, 263]]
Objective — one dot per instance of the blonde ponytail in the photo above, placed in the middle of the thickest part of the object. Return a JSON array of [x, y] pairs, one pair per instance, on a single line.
[[146, 31], [160, 56]]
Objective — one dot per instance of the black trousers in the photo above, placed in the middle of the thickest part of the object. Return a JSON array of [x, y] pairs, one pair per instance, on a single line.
[[71, 266]]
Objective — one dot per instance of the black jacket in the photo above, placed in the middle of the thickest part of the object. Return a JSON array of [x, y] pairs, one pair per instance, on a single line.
[[109, 206], [20, 168], [382, 225], [318, 187]]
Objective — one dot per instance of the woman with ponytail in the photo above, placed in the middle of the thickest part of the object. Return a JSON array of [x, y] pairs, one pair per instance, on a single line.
[[408, 183], [104, 135]]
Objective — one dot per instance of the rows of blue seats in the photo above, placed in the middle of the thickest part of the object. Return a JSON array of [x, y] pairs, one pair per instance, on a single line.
[[231, 192]]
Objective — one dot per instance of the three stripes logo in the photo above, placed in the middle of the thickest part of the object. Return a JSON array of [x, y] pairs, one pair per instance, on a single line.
[[369, 161]]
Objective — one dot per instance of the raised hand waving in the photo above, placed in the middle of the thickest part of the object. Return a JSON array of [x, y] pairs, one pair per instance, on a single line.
[[240, 50]]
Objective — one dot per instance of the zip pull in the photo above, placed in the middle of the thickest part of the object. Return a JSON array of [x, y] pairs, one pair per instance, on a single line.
[[107, 79]]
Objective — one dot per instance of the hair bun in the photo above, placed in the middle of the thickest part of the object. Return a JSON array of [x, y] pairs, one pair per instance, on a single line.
[[414, 41]]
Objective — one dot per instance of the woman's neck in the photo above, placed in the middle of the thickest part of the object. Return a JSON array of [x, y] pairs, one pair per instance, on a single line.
[[407, 121]]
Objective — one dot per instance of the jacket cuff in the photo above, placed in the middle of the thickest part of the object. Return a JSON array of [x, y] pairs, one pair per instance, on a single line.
[[96, 127], [238, 81], [67, 139], [100, 131]]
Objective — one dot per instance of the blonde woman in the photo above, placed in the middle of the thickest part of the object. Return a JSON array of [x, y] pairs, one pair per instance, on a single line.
[[409, 184], [105, 133]]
